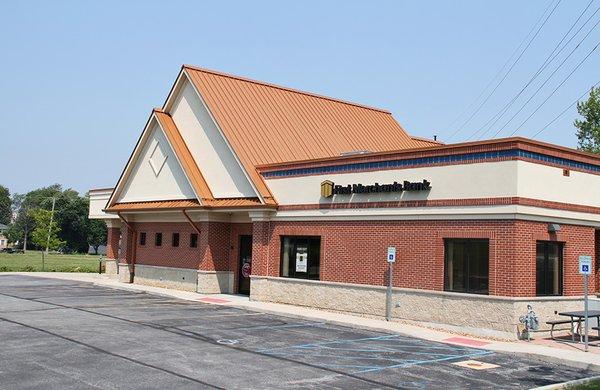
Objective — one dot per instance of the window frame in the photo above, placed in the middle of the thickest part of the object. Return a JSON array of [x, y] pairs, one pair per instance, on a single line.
[[193, 240], [310, 259], [468, 275], [158, 238], [142, 241], [175, 239], [546, 260]]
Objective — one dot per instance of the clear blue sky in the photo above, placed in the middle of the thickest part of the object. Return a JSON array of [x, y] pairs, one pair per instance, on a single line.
[[78, 78]]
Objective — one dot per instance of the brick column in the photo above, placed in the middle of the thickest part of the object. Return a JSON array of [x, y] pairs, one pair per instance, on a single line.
[[260, 248], [126, 255], [214, 243], [112, 243]]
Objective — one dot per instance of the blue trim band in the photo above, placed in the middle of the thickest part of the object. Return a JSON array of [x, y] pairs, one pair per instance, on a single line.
[[390, 164]]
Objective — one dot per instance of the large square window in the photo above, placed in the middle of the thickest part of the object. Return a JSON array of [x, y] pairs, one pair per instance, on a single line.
[[466, 265], [300, 257], [549, 268]]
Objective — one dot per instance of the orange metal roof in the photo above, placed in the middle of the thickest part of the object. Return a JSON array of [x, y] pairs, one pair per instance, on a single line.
[[155, 205], [425, 142], [225, 203], [267, 124], [183, 153]]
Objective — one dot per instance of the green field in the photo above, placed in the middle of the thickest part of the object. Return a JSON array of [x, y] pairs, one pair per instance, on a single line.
[[32, 262]]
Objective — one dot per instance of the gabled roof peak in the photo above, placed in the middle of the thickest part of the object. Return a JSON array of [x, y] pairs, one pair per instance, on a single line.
[[214, 72]]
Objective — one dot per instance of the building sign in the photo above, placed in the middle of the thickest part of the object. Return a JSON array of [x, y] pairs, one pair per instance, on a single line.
[[329, 188], [246, 270]]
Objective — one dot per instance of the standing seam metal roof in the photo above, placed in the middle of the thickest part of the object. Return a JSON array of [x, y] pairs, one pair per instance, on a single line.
[[267, 124]]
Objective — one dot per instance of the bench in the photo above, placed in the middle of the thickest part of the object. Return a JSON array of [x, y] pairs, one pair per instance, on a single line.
[[553, 323]]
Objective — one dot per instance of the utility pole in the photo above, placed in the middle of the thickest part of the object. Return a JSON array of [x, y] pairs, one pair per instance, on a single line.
[[50, 224]]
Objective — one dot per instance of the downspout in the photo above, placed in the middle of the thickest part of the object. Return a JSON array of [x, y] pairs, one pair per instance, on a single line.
[[133, 250], [197, 231], [191, 222]]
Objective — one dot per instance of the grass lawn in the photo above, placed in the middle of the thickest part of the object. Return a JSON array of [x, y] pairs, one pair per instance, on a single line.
[[32, 262], [593, 385]]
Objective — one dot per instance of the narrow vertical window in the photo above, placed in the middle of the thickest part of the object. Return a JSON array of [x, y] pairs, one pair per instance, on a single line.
[[549, 268], [175, 240], [143, 238], [158, 239], [193, 240]]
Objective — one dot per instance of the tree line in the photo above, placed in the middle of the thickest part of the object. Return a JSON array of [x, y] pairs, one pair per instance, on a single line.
[[50, 217]]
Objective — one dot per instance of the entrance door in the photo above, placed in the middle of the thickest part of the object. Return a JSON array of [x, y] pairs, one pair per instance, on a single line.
[[245, 254]]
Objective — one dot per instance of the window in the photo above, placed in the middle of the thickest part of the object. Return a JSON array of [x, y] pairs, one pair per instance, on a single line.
[[466, 265], [193, 240], [158, 239], [549, 268], [143, 238], [300, 257], [175, 239]]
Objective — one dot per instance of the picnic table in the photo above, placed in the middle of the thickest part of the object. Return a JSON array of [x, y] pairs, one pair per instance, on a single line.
[[580, 316]]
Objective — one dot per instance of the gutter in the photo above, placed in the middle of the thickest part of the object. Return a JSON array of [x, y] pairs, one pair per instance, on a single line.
[[133, 249]]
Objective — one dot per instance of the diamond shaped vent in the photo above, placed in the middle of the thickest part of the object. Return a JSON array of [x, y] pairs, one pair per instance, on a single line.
[[157, 159]]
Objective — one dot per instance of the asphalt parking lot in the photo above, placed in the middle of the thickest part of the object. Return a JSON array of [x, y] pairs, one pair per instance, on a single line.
[[58, 334]]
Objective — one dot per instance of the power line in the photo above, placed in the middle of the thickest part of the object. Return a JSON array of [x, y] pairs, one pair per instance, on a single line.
[[555, 89], [494, 119], [563, 111], [547, 79], [511, 67]]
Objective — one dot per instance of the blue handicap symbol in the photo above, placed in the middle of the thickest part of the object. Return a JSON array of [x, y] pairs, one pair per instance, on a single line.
[[585, 268]]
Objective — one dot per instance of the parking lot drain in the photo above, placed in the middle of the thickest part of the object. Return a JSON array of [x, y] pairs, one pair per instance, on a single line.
[[476, 365]]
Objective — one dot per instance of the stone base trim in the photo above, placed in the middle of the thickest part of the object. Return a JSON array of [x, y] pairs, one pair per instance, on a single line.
[[168, 277], [215, 282], [477, 315], [111, 267], [125, 274]]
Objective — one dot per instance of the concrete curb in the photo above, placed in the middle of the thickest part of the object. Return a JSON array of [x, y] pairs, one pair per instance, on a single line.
[[567, 385]]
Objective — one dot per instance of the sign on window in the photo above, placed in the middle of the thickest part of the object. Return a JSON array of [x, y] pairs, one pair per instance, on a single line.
[[302, 259]]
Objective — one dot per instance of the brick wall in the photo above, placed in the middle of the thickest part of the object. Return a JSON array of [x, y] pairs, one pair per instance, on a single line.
[[217, 248], [215, 242], [112, 242], [166, 255], [354, 251]]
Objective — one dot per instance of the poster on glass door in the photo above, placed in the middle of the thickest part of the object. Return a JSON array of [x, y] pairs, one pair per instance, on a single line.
[[301, 258]]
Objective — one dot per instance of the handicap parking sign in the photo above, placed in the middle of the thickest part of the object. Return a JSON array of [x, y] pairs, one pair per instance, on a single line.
[[585, 265], [391, 254]]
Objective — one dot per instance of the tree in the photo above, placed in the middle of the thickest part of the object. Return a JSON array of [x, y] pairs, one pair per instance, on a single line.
[[96, 233], [45, 232], [23, 223], [23, 208], [5, 206], [588, 128], [72, 218]]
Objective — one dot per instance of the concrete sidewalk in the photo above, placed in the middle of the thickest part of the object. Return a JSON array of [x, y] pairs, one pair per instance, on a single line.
[[568, 354]]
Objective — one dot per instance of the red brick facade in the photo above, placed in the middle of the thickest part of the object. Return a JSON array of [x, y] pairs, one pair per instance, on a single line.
[[354, 252], [216, 250]]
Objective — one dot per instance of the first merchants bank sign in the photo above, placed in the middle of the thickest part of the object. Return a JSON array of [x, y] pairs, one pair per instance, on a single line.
[[329, 188]]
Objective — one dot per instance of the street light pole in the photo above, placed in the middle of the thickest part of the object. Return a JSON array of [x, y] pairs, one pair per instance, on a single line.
[[50, 224]]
